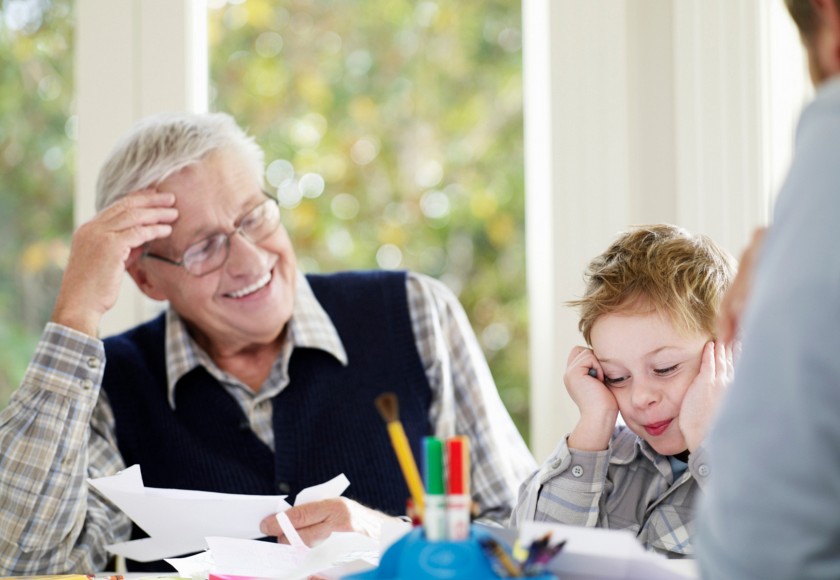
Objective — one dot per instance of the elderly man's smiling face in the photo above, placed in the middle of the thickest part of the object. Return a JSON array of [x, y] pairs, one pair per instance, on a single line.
[[248, 300]]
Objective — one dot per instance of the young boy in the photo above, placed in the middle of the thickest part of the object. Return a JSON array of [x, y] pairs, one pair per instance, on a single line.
[[648, 315]]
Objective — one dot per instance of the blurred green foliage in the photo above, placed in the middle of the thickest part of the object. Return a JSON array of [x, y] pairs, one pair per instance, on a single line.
[[37, 138], [392, 131], [393, 134]]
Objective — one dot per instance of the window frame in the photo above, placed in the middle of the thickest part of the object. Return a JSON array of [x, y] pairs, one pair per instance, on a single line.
[[629, 116]]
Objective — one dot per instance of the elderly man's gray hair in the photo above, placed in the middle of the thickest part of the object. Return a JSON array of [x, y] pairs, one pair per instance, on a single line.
[[161, 145]]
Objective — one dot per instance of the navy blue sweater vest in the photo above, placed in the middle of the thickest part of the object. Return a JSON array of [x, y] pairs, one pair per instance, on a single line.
[[325, 421]]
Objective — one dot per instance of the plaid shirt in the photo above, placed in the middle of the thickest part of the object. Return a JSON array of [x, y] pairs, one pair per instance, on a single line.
[[59, 429], [627, 487]]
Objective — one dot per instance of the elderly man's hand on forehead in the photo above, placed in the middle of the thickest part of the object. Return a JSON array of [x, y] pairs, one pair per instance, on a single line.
[[102, 249]]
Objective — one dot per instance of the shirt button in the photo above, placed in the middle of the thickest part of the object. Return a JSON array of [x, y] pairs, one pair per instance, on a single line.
[[284, 487], [703, 470], [87, 384], [93, 362], [577, 471], [556, 463]]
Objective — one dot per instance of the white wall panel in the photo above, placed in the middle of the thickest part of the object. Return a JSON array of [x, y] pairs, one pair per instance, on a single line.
[[638, 112], [133, 58]]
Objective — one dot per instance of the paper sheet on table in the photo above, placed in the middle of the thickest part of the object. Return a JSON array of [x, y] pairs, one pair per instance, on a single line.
[[236, 559], [195, 566], [178, 520], [339, 554], [595, 554]]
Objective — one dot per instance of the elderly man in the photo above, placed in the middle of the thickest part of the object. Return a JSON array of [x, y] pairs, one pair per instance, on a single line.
[[773, 503], [257, 379]]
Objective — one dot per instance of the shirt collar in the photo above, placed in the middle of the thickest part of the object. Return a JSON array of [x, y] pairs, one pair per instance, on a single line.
[[309, 327], [626, 449]]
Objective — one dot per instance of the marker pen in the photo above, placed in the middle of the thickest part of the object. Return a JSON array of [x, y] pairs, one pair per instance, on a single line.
[[434, 512], [458, 490]]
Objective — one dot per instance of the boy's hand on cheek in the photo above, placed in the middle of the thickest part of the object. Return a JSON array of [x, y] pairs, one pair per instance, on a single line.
[[704, 393], [598, 407]]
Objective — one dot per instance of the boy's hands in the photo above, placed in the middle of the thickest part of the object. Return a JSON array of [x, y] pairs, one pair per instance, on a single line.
[[598, 407], [704, 393]]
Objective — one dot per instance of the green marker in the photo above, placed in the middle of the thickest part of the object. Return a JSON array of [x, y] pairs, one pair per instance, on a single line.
[[434, 513]]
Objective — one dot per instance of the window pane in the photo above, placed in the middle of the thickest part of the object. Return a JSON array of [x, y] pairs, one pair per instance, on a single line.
[[37, 137], [393, 136]]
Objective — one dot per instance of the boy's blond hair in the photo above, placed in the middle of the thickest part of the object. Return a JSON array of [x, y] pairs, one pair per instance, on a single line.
[[658, 268]]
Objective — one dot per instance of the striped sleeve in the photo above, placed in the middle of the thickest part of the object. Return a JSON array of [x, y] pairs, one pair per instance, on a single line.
[[55, 433], [465, 398], [568, 488]]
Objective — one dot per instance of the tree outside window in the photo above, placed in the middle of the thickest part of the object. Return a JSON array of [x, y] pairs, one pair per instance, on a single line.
[[393, 134], [37, 139]]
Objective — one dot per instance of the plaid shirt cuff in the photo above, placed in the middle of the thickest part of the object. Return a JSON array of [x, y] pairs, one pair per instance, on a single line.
[[67, 362], [576, 470]]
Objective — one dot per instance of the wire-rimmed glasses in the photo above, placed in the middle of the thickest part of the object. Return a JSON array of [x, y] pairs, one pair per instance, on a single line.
[[211, 253]]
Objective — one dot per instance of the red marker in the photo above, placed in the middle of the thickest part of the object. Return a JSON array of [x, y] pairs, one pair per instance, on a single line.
[[458, 488]]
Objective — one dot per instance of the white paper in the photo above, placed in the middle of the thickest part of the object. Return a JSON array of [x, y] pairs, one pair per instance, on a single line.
[[237, 557], [392, 531], [177, 520], [196, 566], [151, 549], [289, 531], [339, 554], [595, 554], [329, 489]]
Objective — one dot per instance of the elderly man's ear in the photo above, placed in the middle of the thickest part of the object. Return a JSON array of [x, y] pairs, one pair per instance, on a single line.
[[137, 270]]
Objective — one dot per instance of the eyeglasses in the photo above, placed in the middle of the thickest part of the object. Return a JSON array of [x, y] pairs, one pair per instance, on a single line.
[[210, 254]]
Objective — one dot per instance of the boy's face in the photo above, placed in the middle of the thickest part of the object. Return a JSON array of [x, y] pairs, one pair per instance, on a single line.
[[648, 366]]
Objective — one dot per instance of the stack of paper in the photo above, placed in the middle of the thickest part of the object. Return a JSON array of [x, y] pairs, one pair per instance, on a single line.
[[180, 521]]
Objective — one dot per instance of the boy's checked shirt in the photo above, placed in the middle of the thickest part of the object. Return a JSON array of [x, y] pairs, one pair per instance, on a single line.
[[628, 486]]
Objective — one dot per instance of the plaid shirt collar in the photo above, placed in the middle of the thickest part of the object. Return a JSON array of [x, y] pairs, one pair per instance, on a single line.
[[309, 327], [625, 451]]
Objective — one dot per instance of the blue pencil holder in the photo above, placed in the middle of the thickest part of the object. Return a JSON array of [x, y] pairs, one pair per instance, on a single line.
[[414, 558]]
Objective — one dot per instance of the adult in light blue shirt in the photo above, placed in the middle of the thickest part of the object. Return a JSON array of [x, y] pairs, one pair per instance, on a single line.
[[772, 507]]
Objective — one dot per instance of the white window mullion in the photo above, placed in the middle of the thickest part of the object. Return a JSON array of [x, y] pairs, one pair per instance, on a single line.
[[133, 58], [720, 130], [576, 174], [641, 112]]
